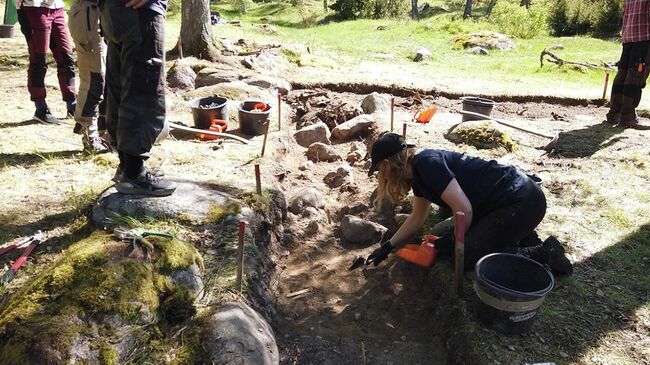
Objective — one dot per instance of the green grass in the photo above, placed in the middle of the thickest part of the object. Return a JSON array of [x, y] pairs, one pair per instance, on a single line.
[[353, 42]]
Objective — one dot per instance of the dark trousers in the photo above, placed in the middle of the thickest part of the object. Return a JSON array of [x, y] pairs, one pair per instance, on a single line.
[[45, 29], [135, 89], [629, 81], [503, 228]]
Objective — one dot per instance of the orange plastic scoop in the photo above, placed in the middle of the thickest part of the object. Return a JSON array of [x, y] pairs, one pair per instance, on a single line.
[[423, 255], [426, 115]]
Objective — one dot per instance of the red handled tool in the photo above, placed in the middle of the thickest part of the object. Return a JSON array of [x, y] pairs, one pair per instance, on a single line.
[[30, 242]]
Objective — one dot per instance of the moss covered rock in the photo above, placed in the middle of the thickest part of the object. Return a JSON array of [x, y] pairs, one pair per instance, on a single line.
[[91, 304], [481, 134]]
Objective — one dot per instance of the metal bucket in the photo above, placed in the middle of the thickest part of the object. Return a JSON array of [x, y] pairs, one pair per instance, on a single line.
[[6, 31], [476, 105]]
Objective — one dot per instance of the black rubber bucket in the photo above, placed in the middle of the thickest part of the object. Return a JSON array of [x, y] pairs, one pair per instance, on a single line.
[[252, 121], [205, 110], [476, 105], [510, 289], [6, 31]]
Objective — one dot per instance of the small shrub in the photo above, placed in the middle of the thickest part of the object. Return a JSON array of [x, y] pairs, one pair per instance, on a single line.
[[597, 17], [376, 9], [241, 6], [174, 6], [518, 21]]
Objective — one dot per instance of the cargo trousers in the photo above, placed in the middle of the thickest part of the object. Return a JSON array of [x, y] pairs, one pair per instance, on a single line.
[[83, 22], [135, 85], [633, 71]]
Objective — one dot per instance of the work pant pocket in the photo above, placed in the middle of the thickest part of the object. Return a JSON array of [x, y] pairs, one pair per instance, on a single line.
[[147, 80], [83, 22]]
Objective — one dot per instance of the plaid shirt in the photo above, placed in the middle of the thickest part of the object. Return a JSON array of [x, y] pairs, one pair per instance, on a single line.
[[636, 21]]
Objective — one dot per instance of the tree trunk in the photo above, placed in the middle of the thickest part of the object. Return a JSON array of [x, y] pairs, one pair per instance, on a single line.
[[468, 9], [488, 10], [525, 3], [196, 30], [325, 5], [415, 15]]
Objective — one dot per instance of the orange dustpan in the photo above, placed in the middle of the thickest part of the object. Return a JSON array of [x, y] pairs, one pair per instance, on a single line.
[[426, 115], [424, 254]]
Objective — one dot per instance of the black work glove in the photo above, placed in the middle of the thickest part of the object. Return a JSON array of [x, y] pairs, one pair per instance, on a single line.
[[380, 254]]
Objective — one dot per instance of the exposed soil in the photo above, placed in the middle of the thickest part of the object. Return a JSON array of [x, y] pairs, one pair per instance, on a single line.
[[595, 182]]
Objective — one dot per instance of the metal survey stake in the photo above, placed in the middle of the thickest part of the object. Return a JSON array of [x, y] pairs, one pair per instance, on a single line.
[[258, 179], [279, 111], [240, 255], [404, 131], [459, 262], [266, 133]]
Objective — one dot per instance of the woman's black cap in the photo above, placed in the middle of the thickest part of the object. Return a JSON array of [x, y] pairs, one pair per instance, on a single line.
[[387, 145]]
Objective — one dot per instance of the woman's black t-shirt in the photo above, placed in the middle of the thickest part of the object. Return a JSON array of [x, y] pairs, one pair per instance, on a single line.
[[487, 184]]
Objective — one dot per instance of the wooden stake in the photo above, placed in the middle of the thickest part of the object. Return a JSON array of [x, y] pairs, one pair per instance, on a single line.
[[392, 113], [240, 255], [258, 179], [605, 88], [459, 230], [279, 111], [404, 131], [180, 47], [363, 354], [266, 133]]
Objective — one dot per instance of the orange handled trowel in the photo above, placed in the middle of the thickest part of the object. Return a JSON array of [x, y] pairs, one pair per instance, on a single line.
[[424, 254]]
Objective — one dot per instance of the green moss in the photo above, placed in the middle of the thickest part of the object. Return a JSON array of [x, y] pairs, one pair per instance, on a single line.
[[177, 255], [179, 306], [107, 354], [258, 203], [485, 136], [219, 212]]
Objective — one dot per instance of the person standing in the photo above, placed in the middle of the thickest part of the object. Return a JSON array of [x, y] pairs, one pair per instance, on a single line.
[[89, 115], [42, 22], [633, 66], [135, 89]]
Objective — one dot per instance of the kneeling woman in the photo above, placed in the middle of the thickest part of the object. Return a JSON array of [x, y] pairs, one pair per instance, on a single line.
[[502, 205]]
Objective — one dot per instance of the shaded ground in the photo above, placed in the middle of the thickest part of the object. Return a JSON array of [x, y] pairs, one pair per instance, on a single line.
[[595, 182]]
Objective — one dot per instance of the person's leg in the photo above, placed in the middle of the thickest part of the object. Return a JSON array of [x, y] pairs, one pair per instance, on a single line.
[[502, 229], [61, 47], [83, 21], [35, 26], [141, 111], [616, 97], [635, 81]]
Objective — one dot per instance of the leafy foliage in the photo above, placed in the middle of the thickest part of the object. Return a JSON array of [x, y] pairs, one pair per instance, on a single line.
[[519, 21], [597, 17], [376, 9]]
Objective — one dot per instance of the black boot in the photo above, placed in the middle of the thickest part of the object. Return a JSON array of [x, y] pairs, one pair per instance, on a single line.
[[550, 253]]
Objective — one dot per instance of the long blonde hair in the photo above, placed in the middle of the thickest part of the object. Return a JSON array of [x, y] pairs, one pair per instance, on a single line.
[[393, 186]]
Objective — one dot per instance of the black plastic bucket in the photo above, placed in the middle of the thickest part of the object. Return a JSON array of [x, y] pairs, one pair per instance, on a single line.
[[510, 289], [205, 110], [252, 122], [476, 105]]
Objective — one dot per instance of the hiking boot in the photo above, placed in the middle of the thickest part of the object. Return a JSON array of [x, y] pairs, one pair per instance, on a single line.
[[635, 124], [119, 174], [531, 240], [94, 144], [45, 116], [146, 183], [556, 259]]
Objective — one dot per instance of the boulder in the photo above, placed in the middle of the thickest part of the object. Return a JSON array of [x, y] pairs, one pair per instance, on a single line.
[[211, 76], [267, 62], [479, 51], [181, 76], [421, 54], [357, 230], [190, 278], [374, 103], [317, 132], [312, 228], [295, 49], [234, 90], [269, 82], [303, 198], [322, 152], [237, 335], [342, 175], [485, 40], [357, 153], [481, 134], [307, 165], [310, 118], [360, 126], [190, 200]]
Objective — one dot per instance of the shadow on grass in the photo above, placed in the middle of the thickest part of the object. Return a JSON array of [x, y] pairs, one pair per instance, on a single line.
[[586, 141], [601, 298], [29, 159]]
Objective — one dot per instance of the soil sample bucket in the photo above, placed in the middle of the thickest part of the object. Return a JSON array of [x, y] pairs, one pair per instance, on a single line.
[[6, 31], [476, 105], [252, 116], [510, 289], [207, 109]]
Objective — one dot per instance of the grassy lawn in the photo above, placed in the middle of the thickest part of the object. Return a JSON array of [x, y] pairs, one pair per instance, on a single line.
[[356, 46]]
